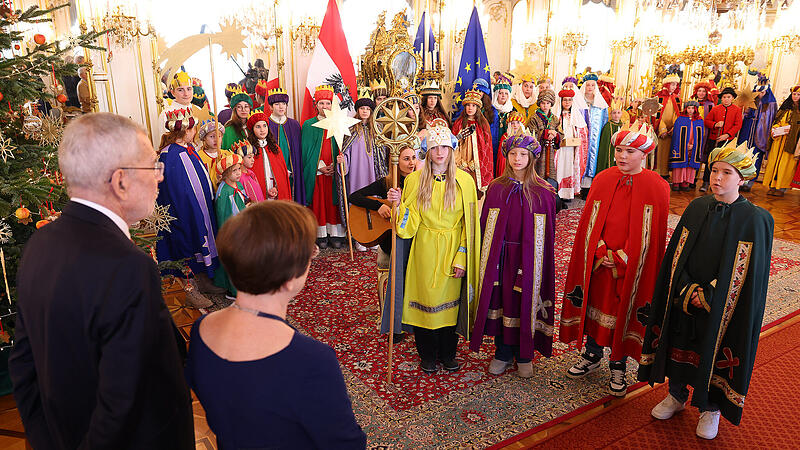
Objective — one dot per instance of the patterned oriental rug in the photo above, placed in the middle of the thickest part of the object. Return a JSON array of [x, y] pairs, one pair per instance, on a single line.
[[339, 306], [769, 419]]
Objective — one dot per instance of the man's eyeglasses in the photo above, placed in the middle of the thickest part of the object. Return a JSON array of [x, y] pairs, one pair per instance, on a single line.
[[158, 167]]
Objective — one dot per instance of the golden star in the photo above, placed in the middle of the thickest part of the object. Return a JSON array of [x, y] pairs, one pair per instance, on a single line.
[[746, 98], [395, 122], [459, 81], [486, 68], [467, 68], [337, 123]]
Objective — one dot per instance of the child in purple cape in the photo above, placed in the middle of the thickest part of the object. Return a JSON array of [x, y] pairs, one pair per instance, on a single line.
[[517, 291]]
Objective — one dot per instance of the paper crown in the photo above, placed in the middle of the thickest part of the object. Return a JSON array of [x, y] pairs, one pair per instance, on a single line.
[[276, 95], [430, 88], [503, 78], [616, 103], [569, 79], [243, 148], [671, 78], [589, 77], [197, 82], [227, 162], [741, 158], [544, 79], [794, 88], [439, 135], [238, 96], [261, 87], [377, 85], [473, 96], [230, 88], [515, 117], [207, 126], [255, 117], [525, 141], [180, 79], [411, 96], [529, 77], [502, 85], [323, 92], [641, 139], [198, 92], [605, 78], [179, 119], [566, 93]]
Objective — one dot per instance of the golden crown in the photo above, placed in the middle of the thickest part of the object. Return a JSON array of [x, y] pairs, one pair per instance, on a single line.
[[741, 157]]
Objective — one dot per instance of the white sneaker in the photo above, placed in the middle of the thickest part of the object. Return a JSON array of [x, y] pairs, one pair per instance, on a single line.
[[617, 385], [360, 247], [582, 368], [708, 425], [667, 408], [496, 367]]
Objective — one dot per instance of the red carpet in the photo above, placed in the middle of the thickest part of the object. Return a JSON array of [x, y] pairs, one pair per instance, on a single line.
[[769, 420]]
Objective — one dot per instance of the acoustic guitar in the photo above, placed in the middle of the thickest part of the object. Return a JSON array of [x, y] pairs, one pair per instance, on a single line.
[[367, 226]]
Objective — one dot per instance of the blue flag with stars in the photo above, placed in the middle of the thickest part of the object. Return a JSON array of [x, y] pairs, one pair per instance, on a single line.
[[474, 63]]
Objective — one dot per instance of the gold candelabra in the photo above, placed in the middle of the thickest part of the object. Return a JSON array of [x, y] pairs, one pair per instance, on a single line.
[[628, 43], [259, 25], [124, 28], [572, 42], [787, 43], [306, 33]]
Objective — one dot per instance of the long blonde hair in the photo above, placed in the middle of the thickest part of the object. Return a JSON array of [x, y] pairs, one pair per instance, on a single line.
[[530, 180], [425, 191]]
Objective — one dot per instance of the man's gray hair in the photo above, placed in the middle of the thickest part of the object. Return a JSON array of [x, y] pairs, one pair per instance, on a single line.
[[94, 146]]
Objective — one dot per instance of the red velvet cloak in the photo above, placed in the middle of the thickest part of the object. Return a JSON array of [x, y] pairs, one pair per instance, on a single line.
[[644, 249]]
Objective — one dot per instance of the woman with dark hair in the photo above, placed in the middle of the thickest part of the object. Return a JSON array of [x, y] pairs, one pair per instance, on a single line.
[[784, 152], [474, 153], [431, 105], [236, 127], [518, 224], [261, 383]]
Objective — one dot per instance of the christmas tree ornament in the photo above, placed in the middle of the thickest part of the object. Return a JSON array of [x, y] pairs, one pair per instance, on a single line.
[[61, 98], [6, 148], [1, 96], [158, 220], [5, 232], [39, 39], [50, 131], [41, 223], [23, 215]]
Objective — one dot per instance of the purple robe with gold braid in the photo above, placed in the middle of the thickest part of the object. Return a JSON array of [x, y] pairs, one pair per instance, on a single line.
[[517, 271], [291, 137], [186, 190]]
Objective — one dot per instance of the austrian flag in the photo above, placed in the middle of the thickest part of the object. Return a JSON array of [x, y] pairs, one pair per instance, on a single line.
[[331, 64]]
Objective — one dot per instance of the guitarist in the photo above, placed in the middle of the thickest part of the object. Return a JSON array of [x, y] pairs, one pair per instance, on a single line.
[[364, 198]]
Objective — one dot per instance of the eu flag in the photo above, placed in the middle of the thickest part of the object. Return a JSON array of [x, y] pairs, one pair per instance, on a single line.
[[419, 41], [474, 63]]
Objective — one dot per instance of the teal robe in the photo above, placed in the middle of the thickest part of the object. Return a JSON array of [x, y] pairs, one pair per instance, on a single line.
[[228, 203], [605, 150]]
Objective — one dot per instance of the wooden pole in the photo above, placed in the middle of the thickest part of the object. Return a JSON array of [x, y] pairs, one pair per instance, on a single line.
[[394, 160], [346, 211], [214, 95]]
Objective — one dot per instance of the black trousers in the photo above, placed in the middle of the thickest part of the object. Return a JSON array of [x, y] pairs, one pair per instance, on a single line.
[[710, 146], [436, 344]]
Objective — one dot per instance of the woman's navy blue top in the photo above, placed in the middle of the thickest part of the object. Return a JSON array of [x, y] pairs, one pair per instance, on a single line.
[[295, 398]]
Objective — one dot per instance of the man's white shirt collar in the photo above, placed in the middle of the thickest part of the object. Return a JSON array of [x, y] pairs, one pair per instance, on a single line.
[[119, 221]]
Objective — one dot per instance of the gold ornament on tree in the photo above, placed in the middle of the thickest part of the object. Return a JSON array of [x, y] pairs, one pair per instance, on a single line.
[[158, 220], [51, 130], [6, 148]]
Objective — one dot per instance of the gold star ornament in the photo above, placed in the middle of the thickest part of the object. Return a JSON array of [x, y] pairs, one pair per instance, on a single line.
[[337, 123], [395, 123]]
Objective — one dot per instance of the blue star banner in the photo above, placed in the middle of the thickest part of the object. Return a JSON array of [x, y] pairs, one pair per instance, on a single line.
[[419, 41], [474, 63]]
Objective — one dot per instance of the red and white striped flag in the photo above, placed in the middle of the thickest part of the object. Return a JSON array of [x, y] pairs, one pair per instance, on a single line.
[[331, 64]]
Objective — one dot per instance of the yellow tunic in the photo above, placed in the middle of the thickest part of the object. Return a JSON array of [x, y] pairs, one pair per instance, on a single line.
[[780, 164], [431, 298], [210, 162]]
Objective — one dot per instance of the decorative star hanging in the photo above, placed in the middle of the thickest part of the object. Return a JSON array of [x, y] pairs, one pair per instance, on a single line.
[[337, 123], [5, 233], [158, 220], [51, 131], [6, 148], [523, 67]]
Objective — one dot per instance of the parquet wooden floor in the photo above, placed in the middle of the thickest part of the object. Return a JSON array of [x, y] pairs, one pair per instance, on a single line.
[[785, 210]]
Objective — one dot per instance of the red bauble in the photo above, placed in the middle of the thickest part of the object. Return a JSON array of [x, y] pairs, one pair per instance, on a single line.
[[16, 46], [1, 96], [39, 39], [61, 98]]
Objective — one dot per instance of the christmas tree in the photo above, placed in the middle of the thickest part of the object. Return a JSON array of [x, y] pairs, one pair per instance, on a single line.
[[31, 122]]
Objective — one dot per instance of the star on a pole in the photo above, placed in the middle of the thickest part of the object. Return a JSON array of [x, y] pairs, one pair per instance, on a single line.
[[337, 123], [395, 121], [746, 98]]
